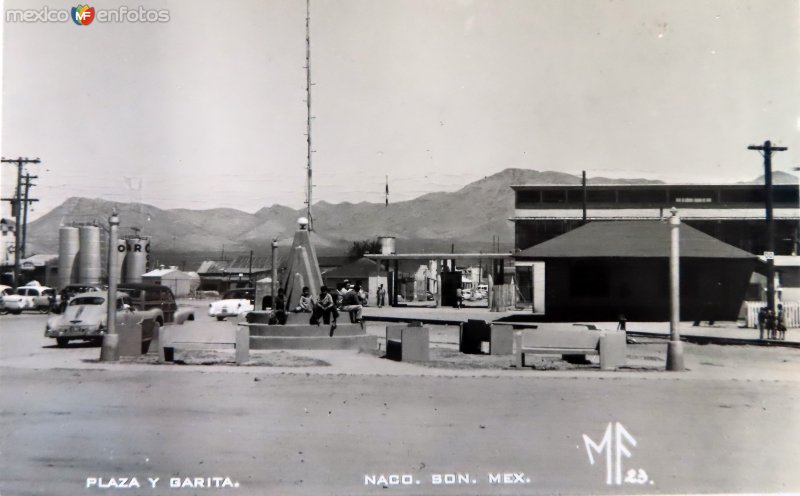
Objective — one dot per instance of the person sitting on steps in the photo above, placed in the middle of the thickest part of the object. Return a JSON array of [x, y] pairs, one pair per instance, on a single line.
[[351, 304]]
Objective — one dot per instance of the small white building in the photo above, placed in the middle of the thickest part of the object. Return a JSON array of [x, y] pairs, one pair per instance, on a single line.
[[181, 283]]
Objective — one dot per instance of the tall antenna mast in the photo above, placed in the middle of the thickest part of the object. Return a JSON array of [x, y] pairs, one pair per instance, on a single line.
[[308, 115]]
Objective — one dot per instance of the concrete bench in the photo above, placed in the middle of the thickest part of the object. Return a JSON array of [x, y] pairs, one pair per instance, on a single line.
[[572, 342], [474, 334], [192, 338], [407, 343]]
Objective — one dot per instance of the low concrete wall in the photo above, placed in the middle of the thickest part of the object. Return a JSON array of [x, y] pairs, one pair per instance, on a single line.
[[363, 342], [304, 330]]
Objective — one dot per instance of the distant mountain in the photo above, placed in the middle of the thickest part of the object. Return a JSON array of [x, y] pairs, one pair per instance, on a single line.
[[467, 218], [778, 177]]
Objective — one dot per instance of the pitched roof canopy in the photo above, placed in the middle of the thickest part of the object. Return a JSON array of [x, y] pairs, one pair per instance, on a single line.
[[631, 239]]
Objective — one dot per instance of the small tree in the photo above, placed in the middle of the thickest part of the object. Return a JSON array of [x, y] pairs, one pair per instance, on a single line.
[[359, 248]]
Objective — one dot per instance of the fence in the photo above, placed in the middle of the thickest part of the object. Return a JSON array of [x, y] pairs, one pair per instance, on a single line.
[[791, 311]]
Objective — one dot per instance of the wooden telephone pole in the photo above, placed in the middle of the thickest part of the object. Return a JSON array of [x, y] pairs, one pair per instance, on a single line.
[[769, 254], [17, 202]]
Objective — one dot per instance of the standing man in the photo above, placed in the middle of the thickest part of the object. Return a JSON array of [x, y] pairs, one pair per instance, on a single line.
[[381, 296], [459, 298]]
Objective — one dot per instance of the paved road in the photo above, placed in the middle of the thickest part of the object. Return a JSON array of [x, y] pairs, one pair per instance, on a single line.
[[64, 419]]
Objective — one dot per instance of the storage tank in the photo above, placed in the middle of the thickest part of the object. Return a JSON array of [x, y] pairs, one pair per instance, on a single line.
[[68, 248], [120, 251], [138, 253], [90, 267], [387, 245]]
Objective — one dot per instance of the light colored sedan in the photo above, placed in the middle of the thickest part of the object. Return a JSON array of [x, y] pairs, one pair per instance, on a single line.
[[4, 291], [85, 317], [29, 298], [234, 302]]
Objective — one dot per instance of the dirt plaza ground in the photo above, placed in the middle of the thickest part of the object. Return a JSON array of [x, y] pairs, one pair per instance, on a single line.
[[335, 422]]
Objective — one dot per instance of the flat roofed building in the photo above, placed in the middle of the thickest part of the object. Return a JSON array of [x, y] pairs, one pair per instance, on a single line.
[[733, 213]]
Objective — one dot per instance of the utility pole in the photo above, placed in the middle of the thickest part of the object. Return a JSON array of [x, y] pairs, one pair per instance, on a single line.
[[583, 184], [308, 115], [26, 201], [274, 285], [17, 200], [769, 254], [250, 271]]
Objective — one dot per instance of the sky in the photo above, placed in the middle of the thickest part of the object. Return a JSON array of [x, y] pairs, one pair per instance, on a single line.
[[208, 109]]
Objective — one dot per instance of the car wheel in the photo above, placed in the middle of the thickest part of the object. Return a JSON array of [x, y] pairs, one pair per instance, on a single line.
[[61, 342], [3, 311], [220, 318], [44, 309], [16, 312]]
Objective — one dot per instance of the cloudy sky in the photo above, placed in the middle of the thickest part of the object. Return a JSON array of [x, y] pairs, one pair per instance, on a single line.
[[207, 110]]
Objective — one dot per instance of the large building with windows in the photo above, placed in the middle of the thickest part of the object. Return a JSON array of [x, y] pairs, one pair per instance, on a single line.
[[733, 213]]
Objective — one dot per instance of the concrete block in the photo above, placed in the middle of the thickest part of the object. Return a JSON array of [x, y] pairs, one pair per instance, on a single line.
[[472, 334], [408, 344], [242, 345], [130, 340], [613, 349], [501, 339]]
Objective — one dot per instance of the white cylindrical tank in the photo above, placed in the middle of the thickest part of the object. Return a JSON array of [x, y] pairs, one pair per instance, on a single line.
[[68, 248], [120, 251], [138, 252], [90, 267], [387, 245]]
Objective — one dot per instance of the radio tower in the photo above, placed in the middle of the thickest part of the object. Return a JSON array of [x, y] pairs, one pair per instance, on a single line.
[[308, 115]]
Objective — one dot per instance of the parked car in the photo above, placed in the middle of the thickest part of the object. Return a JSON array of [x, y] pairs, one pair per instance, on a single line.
[[85, 317], [233, 303], [69, 291], [160, 298], [4, 291], [36, 298]]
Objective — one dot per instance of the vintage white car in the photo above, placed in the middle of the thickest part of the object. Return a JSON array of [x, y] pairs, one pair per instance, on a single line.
[[234, 302], [29, 298], [4, 291], [85, 318]]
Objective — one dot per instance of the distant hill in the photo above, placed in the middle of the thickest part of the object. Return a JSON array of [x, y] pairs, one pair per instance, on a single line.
[[778, 177], [467, 218]]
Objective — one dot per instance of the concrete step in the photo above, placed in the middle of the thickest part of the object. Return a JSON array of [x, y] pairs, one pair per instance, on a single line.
[[364, 342], [306, 330]]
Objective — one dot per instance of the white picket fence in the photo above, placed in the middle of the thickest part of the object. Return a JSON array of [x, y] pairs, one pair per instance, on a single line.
[[791, 310]]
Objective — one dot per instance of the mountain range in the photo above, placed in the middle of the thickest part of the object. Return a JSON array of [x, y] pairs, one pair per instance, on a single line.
[[469, 218]]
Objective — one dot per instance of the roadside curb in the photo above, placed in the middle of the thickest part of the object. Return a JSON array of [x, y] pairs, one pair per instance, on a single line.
[[693, 338]]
